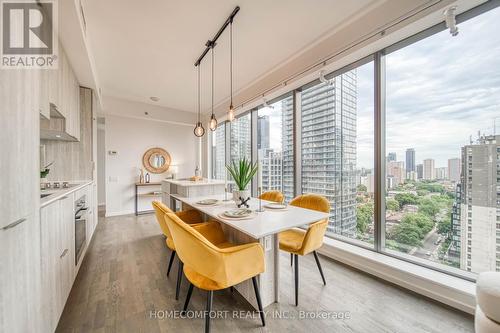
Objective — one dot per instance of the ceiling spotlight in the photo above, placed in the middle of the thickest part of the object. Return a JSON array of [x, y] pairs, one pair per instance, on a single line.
[[154, 98], [323, 79], [267, 105], [451, 22]]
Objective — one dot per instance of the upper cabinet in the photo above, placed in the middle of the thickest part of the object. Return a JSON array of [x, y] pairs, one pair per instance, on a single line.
[[63, 103]]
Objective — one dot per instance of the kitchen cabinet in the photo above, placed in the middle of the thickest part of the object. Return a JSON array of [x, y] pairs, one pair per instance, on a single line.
[[19, 282], [57, 258], [43, 104]]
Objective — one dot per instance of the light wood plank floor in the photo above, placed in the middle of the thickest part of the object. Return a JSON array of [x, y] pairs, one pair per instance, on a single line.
[[123, 280]]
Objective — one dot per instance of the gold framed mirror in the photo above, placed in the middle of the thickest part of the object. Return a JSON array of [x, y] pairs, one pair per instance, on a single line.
[[156, 160]]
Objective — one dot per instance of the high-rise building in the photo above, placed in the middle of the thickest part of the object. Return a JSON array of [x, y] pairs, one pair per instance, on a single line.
[[420, 171], [263, 132], [391, 157], [287, 148], [442, 173], [329, 148], [218, 152], [271, 163], [480, 208], [240, 139], [454, 168], [429, 169], [410, 162], [397, 171]]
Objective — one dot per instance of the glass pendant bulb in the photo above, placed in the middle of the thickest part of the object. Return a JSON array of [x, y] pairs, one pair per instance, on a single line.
[[199, 131], [230, 113], [213, 123]]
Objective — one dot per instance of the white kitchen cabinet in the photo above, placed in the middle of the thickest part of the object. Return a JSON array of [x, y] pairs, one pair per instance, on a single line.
[[58, 259], [19, 276], [44, 105], [19, 164]]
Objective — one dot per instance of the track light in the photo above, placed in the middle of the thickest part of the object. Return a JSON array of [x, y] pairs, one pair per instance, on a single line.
[[267, 105], [323, 79], [451, 22]]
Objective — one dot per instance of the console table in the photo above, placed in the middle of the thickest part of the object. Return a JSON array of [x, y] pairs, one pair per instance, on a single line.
[[140, 194]]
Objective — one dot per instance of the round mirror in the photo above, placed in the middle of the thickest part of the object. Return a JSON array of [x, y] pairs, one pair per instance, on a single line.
[[156, 160]]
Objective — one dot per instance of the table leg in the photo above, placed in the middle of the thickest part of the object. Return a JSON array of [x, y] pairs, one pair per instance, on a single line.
[[276, 252]]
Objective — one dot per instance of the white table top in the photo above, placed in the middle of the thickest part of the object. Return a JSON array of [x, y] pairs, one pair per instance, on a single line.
[[263, 223], [187, 182]]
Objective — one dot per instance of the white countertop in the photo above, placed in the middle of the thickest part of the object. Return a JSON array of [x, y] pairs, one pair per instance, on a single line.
[[56, 194], [187, 182], [263, 223]]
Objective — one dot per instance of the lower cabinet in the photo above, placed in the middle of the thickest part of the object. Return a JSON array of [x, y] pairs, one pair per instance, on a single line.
[[19, 272], [57, 258]]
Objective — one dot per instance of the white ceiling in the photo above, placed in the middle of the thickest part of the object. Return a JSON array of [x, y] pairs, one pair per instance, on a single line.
[[148, 48]]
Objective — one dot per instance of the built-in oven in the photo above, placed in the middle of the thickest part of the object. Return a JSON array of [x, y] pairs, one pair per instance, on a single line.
[[81, 210]]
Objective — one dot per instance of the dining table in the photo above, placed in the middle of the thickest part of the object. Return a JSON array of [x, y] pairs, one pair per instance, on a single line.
[[263, 225]]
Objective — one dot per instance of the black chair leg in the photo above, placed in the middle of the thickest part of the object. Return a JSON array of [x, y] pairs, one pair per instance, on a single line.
[[319, 267], [291, 259], [209, 309], [296, 279], [179, 279], [231, 289], [170, 262], [259, 302], [188, 297]]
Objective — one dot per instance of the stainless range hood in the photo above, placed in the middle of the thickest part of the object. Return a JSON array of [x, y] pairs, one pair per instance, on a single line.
[[55, 127]]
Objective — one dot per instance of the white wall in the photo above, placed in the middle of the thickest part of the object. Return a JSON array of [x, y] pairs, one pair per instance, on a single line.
[[101, 165], [130, 137]]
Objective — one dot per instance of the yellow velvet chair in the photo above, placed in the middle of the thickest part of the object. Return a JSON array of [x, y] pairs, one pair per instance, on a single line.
[[192, 217], [275, 196], [214, 267], [299, 242]]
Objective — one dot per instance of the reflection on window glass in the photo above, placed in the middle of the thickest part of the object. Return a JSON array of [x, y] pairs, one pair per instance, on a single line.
[[275, 146], [443, 164], [337, 149], [219, 152]]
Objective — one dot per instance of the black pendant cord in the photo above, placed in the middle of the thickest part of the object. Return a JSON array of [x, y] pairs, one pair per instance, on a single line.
[[199, 88], [212, 81], [231, 61]]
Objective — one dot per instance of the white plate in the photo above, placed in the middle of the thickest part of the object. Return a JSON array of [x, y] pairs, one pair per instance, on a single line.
[[237, 213], [275, 206], [208, 202]]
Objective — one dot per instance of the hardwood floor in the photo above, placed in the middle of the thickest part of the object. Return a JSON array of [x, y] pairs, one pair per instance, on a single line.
[[122, 284]]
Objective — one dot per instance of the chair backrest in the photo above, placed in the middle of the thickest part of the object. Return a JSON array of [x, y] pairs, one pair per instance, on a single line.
[[316, 231], [195, 251], [160, 211], [275, 196]]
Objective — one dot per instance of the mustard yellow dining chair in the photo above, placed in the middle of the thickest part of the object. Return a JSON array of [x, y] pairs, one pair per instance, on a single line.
[[275, 196], [192, 217], [213, 267], [299, 242]]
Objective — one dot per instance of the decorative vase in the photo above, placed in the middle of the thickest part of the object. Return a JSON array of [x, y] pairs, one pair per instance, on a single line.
[[241, 197]]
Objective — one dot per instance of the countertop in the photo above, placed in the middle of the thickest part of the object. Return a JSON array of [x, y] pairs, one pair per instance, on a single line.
[[187, 182], [56, 194]]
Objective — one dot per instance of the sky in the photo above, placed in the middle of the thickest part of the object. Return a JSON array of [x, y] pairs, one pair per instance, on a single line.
[[440, 92]]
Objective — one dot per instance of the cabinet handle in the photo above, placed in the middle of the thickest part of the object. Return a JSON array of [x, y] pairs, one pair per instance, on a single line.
[[13, 224], [64, 253]]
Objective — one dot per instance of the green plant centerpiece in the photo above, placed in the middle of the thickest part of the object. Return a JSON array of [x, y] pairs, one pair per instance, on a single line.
[[242, 173], [44, 172]]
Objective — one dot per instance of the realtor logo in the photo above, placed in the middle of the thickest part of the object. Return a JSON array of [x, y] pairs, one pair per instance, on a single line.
[[28, 34]]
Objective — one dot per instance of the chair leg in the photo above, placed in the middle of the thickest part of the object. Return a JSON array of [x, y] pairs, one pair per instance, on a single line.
[[188, 297], [296, 279], [208, 310], [291, 259], [319, 267], [231, 289], [170, 262], [179, 279], [259, 302]]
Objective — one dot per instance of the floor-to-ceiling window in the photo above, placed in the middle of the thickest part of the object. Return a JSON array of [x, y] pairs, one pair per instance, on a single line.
[[337, 149], [219, 152], [275, 146], [443, 154], [241, 142]]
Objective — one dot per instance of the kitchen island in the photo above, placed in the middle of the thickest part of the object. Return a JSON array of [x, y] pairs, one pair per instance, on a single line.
[[189, 189]]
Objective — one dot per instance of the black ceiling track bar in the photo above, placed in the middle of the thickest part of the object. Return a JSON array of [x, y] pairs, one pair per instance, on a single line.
[[211, 43]]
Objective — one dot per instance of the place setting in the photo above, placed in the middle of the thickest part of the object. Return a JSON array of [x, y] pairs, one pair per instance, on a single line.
[[238, 214]]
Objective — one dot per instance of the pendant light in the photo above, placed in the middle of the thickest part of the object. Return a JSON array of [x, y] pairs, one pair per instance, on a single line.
[[213, 122], [230, 113], [199, 131]]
